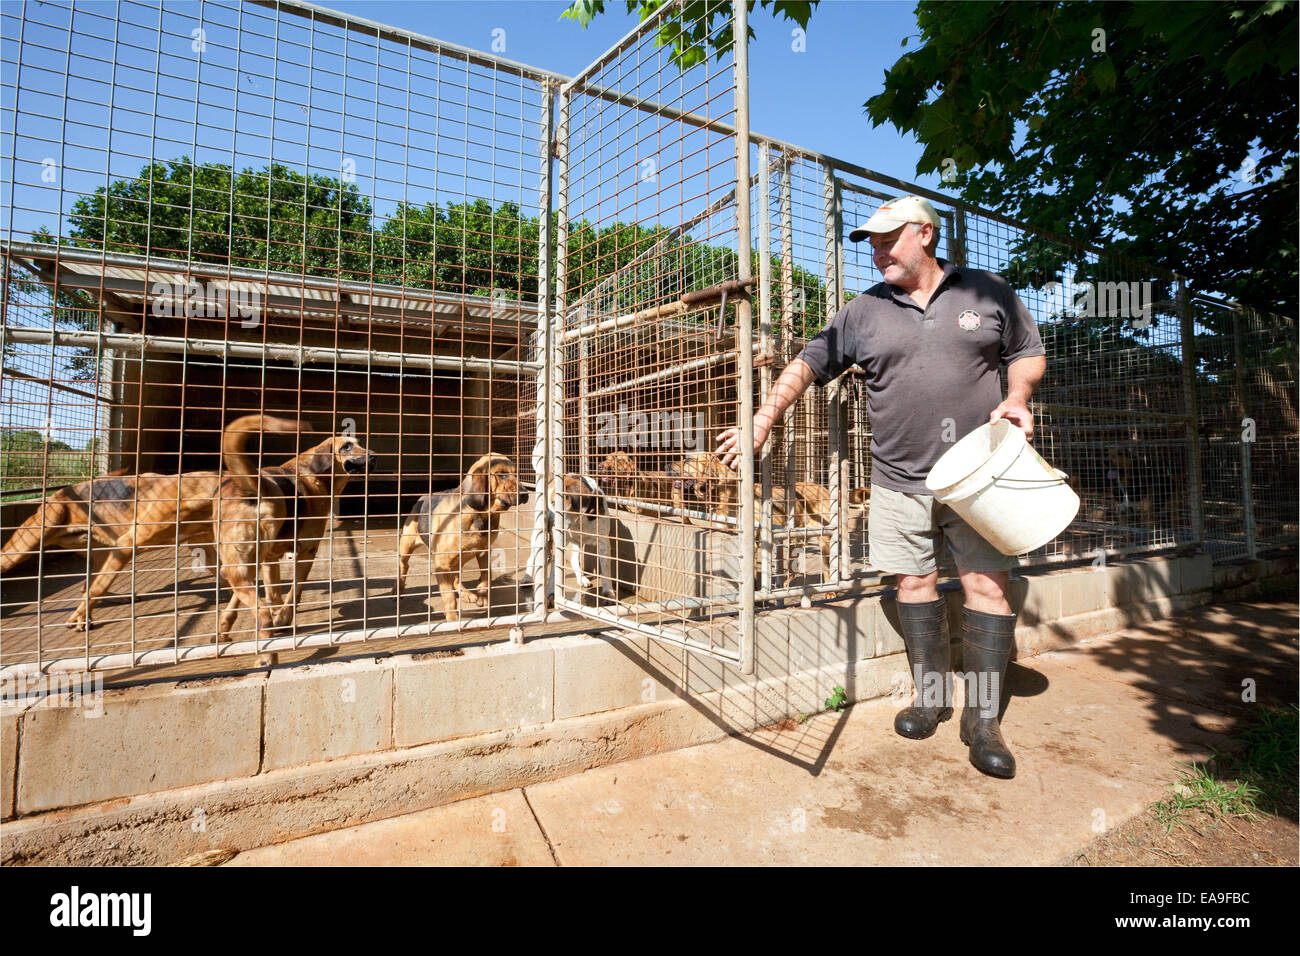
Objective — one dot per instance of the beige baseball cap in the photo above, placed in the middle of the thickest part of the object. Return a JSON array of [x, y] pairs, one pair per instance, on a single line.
[[895, 213]]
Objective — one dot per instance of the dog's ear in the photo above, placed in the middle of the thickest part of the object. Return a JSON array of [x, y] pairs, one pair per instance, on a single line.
[[477, 491], [322, 463]]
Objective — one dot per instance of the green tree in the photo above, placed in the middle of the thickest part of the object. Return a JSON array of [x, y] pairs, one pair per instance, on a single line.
[[273, 218], [281, 220], [1164, 131], [696, 26], [468, 248]]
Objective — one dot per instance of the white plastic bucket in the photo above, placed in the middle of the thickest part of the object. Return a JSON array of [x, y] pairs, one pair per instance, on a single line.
[[1004, 489]]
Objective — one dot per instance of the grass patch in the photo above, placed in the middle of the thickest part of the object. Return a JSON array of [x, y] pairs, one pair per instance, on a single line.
[[1268, 761], [1201, 792], [1260, 778]]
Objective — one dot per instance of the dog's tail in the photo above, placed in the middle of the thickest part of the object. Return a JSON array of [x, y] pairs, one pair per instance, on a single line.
[[232, 445]]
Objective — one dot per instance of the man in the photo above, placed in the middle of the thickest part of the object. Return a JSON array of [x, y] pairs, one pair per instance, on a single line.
[[930, 338]]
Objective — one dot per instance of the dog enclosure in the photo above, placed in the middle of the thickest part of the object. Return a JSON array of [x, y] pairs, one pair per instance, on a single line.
[[440, 254]]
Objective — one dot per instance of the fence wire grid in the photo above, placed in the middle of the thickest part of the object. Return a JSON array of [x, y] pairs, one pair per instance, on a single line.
[[499, 317]]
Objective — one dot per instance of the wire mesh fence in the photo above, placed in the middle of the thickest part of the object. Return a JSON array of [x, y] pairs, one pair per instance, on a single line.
[[238, 208], [1246, 380], [649, 349], [500, 316], [1115, 410]]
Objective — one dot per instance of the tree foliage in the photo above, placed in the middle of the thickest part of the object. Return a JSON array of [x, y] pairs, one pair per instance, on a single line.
[[696, 26], [1163, 131], [278, 219]]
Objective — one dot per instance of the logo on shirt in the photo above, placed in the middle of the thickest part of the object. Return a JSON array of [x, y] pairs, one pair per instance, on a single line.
[[969, 320]]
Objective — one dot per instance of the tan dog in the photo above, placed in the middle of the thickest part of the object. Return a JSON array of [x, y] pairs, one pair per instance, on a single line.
[[707, 485], [619, 477], [311, 483], [812, 509], [128, 513], [458, 526], [251, 512]]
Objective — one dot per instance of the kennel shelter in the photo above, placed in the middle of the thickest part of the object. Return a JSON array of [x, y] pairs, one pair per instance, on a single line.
[[270, 207]]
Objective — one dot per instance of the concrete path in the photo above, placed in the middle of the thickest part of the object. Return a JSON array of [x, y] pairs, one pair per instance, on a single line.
[[1097, 730]]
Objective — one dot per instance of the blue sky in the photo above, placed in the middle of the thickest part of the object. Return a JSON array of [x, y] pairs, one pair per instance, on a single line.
[[813, 98], [139, 88]]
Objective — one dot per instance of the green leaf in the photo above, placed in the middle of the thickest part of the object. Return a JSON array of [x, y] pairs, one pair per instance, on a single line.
[[584, 11], [1103, 74], [1246, 62]]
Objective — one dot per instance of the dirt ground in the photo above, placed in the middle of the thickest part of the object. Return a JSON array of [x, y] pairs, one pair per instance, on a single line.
[[1262, 755], [1201, 840]]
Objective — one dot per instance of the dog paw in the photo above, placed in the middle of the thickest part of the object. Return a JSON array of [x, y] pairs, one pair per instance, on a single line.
[[471, 598], [584, 583]]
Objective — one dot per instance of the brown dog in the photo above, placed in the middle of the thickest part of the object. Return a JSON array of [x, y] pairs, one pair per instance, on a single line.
[[457, 526], [251, 512], [310, 484], [123, 513], [707, 485], [128, 513], [619, 477], [812, 509]]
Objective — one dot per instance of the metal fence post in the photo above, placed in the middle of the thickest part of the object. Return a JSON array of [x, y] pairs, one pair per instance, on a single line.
[[958, 244], [539, 558], [789, 420], [836, 424], [584, 386], [766, 351], [744, 342], [1247, 481], [1189, 361]]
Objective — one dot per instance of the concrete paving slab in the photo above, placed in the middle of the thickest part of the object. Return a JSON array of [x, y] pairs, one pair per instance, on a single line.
[[1098, 731], [877, 798], [1227, 657], [495, 830]]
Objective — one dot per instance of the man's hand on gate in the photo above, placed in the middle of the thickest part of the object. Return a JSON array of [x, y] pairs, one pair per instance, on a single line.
[[729, 442], [1017, 414]]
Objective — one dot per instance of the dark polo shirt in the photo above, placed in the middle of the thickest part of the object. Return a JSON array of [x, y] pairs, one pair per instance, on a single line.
[[925, 366]]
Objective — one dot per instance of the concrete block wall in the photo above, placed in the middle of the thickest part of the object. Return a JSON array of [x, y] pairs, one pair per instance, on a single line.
[[235, 733]]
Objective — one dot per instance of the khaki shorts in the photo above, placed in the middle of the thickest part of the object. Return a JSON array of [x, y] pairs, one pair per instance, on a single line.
[[906, 532]]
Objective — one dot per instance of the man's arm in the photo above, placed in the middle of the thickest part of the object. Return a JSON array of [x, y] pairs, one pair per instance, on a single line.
[[1023, 376], [793, 382]]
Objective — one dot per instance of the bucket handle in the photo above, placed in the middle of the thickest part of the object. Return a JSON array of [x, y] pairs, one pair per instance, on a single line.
[[1032, 481]]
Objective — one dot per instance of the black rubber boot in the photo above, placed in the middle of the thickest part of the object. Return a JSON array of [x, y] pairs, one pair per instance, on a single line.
[[925, 635], [987, 640]]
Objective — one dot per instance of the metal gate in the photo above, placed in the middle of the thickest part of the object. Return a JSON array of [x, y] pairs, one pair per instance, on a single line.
[[651, 351]]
